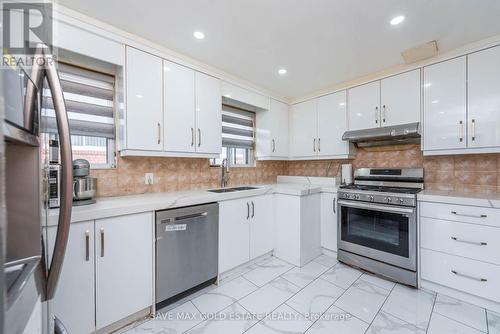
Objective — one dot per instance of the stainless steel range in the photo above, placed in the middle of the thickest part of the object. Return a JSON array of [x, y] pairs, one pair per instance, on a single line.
[[377, 222]]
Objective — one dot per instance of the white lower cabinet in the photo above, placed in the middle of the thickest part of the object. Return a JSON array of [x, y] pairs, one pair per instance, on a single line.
[[74, 302], [107, 273], [329, 221], [298, 228], [124, 266], [245, 230]]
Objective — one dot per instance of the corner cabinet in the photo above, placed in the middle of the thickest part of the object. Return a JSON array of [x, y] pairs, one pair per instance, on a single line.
[[246, 228], [272, 132], [171, 110], [329, 221], [317, 127], [107, 273], [390, 101]]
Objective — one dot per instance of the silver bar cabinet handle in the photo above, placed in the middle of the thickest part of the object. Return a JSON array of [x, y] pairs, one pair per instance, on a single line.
[[384, 113], [314, 145], [479, 243], [253, 209], [376, 115], [334, 205], [159, 133], [192, 137], [480, 279], [102, 242], [473, 130], [461, 130], [87, 245], [467, 215], [199, 137], [248, 210], [274, 145], [66, 186], [319, 144]]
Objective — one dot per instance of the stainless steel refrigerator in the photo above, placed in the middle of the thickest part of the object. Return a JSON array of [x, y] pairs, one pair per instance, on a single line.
[[28, 279]]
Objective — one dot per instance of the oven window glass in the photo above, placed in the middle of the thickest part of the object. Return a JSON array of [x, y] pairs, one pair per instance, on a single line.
[[384, 231]]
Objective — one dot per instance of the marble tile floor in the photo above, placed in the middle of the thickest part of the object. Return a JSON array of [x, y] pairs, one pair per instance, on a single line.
[[324, 296]]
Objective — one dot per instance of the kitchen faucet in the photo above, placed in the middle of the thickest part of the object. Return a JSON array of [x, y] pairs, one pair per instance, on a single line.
[[225, 173]]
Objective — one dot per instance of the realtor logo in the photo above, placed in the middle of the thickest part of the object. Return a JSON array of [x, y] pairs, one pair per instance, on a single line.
[[26, 25]]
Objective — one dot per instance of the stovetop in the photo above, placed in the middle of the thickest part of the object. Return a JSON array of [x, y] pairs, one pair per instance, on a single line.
[[385, 189]]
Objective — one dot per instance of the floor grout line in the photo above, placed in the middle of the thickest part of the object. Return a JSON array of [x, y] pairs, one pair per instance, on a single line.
[[380, 308], [432, 312]]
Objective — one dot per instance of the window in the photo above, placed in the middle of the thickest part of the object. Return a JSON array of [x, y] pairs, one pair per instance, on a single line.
[[238, 137], [89, 97]]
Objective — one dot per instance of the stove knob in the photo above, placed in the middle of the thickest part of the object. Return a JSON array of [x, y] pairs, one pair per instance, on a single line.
[[389, 200], [401, 200], [356, 196], [371, 198], [346, 195]]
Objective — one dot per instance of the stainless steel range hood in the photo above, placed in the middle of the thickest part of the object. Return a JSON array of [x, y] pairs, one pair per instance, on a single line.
[[389, 135]]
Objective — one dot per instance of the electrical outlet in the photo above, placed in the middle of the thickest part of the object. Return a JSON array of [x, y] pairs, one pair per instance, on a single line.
[[149, 178]]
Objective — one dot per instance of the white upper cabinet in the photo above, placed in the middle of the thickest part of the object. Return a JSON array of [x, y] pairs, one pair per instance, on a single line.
[[400, 99], [179, 105], [272, 131], [484, 98], [208, 114], [144, 101], [364, 106], [444, 114], [332, 123], [304, 129]]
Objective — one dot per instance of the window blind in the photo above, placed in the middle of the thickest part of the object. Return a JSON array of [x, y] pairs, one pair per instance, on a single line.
[[89, 102], [237, 127]]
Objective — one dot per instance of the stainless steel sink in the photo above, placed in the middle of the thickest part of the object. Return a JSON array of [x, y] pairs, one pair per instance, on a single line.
[[228, 190]]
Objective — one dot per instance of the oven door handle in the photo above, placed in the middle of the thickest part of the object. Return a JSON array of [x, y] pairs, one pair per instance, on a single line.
[[371, 206]]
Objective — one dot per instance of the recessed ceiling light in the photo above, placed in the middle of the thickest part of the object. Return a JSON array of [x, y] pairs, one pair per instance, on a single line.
[[282, 71], [397, 20], [198, 35]]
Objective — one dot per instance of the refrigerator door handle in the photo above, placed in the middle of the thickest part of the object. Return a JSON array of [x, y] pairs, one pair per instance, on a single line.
[[66, 171]]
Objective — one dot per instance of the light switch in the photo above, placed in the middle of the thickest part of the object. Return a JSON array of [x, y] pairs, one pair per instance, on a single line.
[[149, 178]]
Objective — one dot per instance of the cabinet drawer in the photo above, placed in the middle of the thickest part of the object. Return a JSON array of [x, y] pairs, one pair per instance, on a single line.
[[461, 213], [474, 277], [468, 240]]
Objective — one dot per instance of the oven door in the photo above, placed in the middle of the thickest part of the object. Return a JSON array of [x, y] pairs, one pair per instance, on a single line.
[[384, 233]]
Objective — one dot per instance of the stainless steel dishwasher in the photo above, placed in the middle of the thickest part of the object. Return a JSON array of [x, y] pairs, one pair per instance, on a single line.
[[186, 249]]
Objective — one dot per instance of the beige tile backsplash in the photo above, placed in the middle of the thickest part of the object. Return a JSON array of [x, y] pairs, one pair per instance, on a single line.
[[468, 173]]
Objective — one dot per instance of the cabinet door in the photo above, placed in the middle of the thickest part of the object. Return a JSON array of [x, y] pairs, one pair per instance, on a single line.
[[144, 101], [444, 105], [208, 114], [400, 98], [364, 106], [484, 98], [332, 123], [279, 142], [124, 266], [304, 129], [178, 123], [264, 134], [234, 233], [329, 221], [261, 225], [74, 302]]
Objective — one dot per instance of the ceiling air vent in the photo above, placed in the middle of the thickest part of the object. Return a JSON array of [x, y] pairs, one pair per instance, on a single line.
[[421, 52]]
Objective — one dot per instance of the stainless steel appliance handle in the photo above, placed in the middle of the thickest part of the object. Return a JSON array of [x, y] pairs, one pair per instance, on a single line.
[[192, 137], [87, 245], [473, 135], [376, 115], [248, 210], [253, 209], [66, 184], [199, 137], [479, 243], [480, 279], [102, 242], [370, 206], [468, 215], [174, 219], [334, 205]]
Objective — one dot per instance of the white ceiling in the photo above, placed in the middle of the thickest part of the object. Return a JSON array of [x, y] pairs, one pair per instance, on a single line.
[[319, 42]]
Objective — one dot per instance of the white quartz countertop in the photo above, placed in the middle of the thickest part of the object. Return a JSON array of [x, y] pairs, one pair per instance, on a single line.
[[460, 198], [124, 205]]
